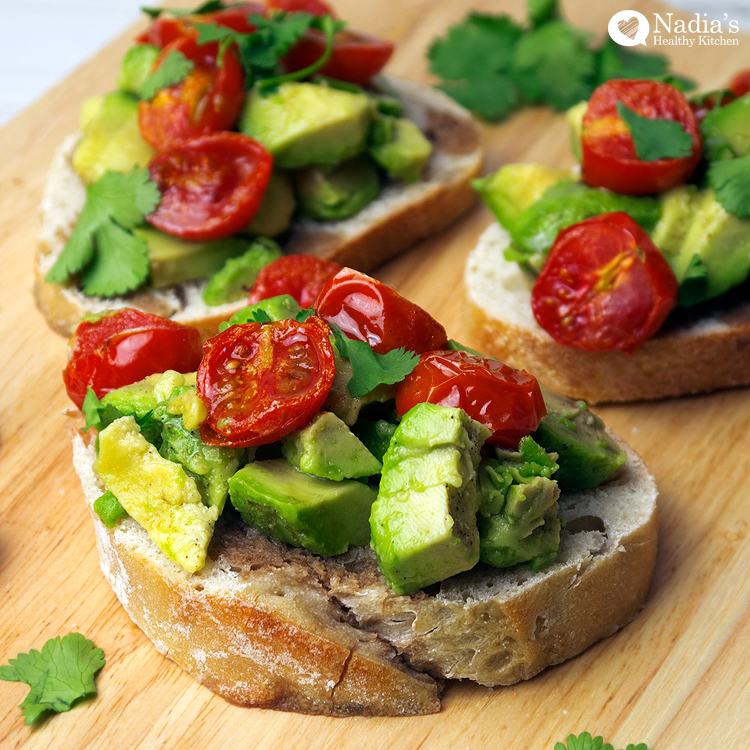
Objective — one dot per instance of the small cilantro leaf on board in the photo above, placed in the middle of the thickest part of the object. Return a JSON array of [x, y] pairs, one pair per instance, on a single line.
[[493, 96], [208, 7], [369, 368], [173, 69], [614, 61], [656, 138], [542, 11], [101, 240], [585, 741], [730, 180], [58, 676]]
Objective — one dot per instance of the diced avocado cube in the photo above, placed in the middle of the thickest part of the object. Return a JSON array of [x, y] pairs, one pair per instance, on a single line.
[[726, 130], [423, 524], [138, 398], [300, 509], [277, 208], [234, 279], [281, 307], [111, 138], [136, 66], [337, 192], [677, 208], [405, 153], [327, 448], [586, 454], [156, 492], [108, 508], [306, 124], [574, 116]]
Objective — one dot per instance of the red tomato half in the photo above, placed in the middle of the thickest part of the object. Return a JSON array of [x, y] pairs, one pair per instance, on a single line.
[[313, 7], [604, 286], [208, 99], [211, 186], [740, 83], [509, 402], [299, 276], [609, 157], [366, 310], [355, 58], [235, 18], [260, 381], [123, 347], [163, 30]]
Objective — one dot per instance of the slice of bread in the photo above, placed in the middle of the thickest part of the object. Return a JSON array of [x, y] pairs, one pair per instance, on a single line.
[[697, 350], [403, 214], [272, 626]]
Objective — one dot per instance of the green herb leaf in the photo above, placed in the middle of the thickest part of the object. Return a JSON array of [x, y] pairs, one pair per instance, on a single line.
[[173, 69], [492, 96], [614, 61], [655, 138], [730, 180], [540, 12], [58, 675], [97, 414], [208, 7], [101, 242]]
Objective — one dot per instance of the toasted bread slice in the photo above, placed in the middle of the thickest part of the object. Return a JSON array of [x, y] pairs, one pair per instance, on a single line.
[[272, 626], [703, 349], [402, 215]]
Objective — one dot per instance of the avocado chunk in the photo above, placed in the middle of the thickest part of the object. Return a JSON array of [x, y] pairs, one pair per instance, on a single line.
[[108, 508], [156, 492], [338, 192], [375, 435], [277, 208], [235, 278], [677, 208], [307, 124], [726, 130], [586, 454], [424, 521], [517, 518], [327, 448], [514, 187], [300, 509], [111, 138], [136, 66], [404, 154], [138, 398], [281, 307], [574, 116]]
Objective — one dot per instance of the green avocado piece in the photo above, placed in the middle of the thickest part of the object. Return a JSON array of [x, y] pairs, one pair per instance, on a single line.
[[307, 124], [136, 66], [586, 454], [677, 208], [514, 187], [235, 278], [281, 307], [726, 130], [337, 192], [327, 448], [405, 153], [300, 509], [376, 435], [108, 508], [277, 208], [111, 138], [574, 116], [156, 492], [137, 398], [424, 521], [174, 261]]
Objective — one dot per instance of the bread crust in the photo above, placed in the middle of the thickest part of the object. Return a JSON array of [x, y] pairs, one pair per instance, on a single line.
[[696, 351], [272, 626], [403, 215]]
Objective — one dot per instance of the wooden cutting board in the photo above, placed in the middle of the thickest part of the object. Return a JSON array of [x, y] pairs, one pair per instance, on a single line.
[[677, 677]]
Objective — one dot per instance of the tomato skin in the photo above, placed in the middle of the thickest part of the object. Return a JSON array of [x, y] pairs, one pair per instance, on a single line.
[[313, 7], [740, 83], [604, 286], [509, 402], [299, 276], [609, 157], [125, 346], [356, 57], [260, 381], [367, 310], [233, 18], [163, 30], [211, 186], [207, 100]]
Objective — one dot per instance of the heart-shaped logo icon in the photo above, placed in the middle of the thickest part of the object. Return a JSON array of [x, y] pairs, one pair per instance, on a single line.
[[628, 26]]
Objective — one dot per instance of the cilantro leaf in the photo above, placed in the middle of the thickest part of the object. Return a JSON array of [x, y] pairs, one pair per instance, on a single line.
[[492, 96], [656, 138], [583, 741], [730, 180], [614, 61], [542, 11], [97, 414], [208, 7], [173, 69], [58, 675], [100, 241]]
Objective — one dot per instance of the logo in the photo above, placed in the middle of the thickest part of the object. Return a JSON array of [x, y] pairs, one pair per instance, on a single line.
[[628, 28]]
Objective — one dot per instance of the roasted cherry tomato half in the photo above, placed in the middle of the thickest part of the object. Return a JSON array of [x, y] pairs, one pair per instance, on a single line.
[[604, 286], [260, 381], [740, 83], [211, 186], [235, 17], [609, 157], [299, 276], [164, 30], [355, 58], [122, 347], [509, 402], [313, 7], [366, 310], [207, 100]]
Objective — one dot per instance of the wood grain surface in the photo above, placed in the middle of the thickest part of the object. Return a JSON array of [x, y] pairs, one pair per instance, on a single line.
[[677, 677]]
